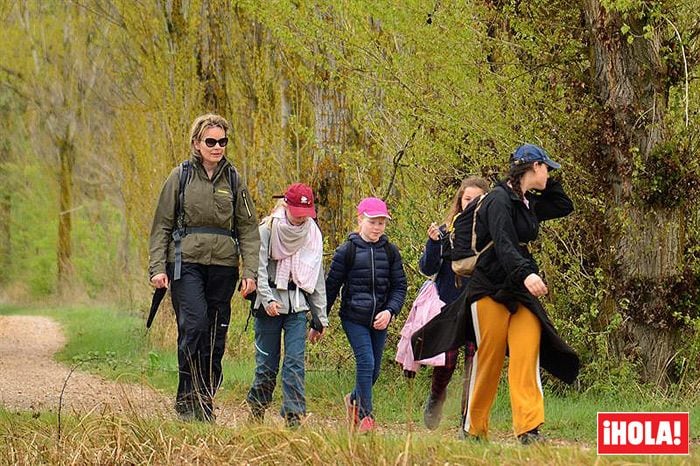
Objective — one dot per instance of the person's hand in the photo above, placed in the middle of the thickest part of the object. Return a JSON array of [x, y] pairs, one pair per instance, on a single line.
[[381, 320], [535, 285], [315, 336], [434, 231], [247, 286], [273, 309], [159, 280]]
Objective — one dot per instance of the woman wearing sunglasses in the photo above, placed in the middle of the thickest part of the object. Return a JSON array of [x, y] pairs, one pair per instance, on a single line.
[[204, 223]]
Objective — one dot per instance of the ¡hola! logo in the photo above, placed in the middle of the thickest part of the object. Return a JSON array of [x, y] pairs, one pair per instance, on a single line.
[[643, 433]]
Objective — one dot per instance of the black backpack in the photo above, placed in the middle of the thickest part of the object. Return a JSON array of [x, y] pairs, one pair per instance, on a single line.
[[463, 239], [181, 229]]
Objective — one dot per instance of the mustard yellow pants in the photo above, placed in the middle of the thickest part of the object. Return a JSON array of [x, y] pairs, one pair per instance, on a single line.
[[497, 329]]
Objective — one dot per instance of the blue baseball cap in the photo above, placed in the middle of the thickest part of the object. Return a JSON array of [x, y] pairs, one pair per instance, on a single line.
[[531, 153]]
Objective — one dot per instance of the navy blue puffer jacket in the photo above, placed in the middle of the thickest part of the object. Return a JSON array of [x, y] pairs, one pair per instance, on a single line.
[[371, 286]]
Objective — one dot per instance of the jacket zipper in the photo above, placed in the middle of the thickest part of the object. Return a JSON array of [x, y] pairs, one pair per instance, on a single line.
[[245, 202], [374, 297]]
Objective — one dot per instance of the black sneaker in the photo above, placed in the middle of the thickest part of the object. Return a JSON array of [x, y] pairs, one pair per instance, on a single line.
[[531, 436], [185, 411], [292, 420], [432, 412]]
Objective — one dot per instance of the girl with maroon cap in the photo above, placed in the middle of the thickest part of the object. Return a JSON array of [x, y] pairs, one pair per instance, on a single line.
[[290, 284]]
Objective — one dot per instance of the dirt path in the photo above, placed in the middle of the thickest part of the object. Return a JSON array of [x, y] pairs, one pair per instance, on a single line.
[[31, 380]]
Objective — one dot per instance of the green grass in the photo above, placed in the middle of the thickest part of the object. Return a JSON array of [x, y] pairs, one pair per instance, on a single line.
[[114, 344]]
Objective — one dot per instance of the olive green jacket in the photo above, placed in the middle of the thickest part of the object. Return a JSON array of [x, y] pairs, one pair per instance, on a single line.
[[207, 204]]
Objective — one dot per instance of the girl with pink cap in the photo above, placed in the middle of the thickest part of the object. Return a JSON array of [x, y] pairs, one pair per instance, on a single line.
[[369, 270]]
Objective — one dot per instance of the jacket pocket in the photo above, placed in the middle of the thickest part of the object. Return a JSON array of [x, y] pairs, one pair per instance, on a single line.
[[223, 202]]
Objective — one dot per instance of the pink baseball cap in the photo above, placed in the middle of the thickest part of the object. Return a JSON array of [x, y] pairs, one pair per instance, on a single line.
[[300, 200], [372, 207]]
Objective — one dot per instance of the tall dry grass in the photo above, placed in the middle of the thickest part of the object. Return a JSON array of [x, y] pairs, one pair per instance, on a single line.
[[118, 439]]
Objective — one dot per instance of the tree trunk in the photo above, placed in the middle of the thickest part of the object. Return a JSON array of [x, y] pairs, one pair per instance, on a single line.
[[212, 58], [330, 128], [632, 86], [66, 153]]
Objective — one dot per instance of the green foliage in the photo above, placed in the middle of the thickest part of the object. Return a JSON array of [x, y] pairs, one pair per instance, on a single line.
[[33, 239], [395, 99]]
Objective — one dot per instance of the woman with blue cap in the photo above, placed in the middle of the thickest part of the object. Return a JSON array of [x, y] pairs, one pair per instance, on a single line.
[[500, 311], [503, 292]]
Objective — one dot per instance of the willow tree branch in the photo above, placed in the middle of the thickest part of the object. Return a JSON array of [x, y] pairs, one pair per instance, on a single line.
[[397, 162]]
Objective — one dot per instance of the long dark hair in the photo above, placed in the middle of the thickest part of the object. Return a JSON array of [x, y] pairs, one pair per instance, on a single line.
[[515, 176]]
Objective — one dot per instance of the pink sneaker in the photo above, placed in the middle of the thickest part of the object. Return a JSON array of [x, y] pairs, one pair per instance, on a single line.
[[353, 414], [366, 425]]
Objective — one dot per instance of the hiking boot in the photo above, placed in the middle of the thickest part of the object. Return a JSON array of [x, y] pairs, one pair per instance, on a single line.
[[367, 424], [432, 412], [185, 411], [353, 413], [292, 420], [531, 436]]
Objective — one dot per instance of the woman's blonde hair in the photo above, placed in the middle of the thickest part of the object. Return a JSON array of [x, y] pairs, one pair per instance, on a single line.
[[456, 205], [200, 125]]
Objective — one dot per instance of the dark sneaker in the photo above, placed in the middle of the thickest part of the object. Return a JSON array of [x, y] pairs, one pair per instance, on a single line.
[[531, 436], [292, 420], [185, 411], [432, 412]]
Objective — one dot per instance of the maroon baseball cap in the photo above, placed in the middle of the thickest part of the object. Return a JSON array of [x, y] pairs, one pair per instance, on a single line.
[[300, 200]]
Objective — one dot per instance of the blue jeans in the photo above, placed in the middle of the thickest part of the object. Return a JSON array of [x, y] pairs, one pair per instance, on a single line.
[[268, 337], [368, 346]]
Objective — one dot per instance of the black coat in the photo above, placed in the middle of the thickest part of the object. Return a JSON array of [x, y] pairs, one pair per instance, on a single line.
[[500, 273], [373, 284]]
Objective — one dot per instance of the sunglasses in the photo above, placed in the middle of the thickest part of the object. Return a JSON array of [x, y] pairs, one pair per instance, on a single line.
[[211, 142]]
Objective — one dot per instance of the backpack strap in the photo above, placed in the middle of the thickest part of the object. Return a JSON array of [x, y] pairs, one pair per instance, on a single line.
[[350, 255], [390, 250], [185, 172], [476, 211]]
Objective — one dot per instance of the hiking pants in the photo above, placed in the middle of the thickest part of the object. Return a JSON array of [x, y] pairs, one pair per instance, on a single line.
[[268, 337], [202, 303], [368, 346], [497, 329]]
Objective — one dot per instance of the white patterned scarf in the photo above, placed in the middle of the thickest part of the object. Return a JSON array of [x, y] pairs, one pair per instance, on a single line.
[[298, 251]]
